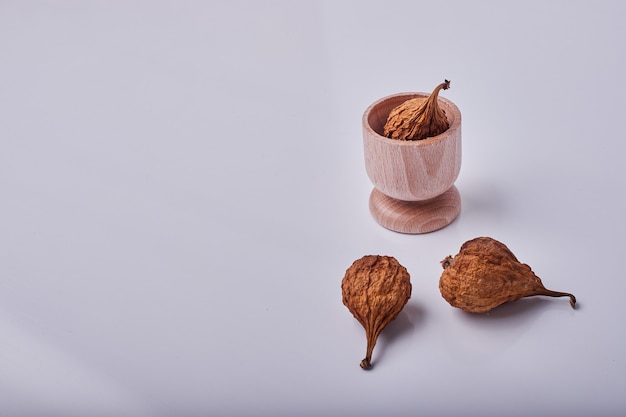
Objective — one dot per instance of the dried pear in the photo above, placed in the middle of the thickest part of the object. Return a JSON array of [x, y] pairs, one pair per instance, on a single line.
[[486, 274], [375, 289], [418, 118]]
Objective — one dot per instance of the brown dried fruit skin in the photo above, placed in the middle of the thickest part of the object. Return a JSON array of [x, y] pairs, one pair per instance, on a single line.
[[418, 118], [485, 274], [375, 289]]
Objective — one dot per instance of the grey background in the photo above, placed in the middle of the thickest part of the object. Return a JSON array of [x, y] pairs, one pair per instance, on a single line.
[[182, 188]]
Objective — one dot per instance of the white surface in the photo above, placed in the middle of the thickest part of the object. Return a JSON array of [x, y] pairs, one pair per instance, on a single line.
[[182, 188]]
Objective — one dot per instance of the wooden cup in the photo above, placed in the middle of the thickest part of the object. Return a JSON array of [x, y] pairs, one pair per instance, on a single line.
[[413, 181]]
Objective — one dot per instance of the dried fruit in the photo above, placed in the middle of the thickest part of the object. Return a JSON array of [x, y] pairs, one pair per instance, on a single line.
[[485, 274], [375, 289], [418, 118]]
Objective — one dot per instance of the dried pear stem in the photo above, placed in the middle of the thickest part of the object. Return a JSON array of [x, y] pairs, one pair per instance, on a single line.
[[372, 333], [550, 293], [432, 105], [371, 342], [418, 118]]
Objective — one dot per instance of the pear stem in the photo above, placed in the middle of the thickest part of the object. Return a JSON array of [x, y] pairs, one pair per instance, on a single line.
[[443, 86], [371, 342], [432, 99], [550, 293]]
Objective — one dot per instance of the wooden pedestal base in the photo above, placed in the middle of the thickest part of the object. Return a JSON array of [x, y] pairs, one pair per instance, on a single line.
[[415, 216]]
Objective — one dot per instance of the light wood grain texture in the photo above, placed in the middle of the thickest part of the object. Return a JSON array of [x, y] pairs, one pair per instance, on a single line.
[[415, 216], [412, 171]]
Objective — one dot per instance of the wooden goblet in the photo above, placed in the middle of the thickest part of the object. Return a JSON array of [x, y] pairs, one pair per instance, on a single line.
[[413, 180]]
